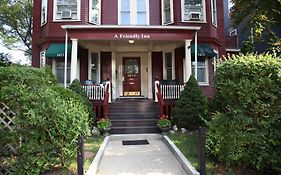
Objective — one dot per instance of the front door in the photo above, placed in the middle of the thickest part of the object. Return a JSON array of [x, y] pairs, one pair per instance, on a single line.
[[131, 76]]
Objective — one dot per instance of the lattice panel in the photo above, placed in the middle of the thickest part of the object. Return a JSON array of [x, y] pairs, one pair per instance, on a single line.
[[7, 118]]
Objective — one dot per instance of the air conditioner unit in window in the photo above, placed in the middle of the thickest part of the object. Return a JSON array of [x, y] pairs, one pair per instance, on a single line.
[[195, 15], [66, 14]]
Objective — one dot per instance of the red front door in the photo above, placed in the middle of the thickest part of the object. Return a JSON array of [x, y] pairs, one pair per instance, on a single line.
[[131, 76]]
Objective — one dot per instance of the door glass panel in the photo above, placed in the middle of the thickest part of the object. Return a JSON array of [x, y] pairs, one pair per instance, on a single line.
[[131, 66]]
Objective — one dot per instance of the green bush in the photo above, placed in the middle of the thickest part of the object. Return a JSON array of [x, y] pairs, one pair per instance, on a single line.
[[191, 109], [49, 119], [246, 130], [76, 87]]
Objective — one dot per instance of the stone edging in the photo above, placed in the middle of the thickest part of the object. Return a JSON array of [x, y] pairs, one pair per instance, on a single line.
[[184, 163]]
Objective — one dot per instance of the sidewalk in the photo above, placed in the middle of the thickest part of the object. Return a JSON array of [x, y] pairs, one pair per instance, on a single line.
[[152, 159]]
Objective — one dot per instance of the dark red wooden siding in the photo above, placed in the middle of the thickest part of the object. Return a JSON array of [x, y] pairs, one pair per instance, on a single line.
[[155, 12], [106, 70], [179, 55], [83, 56], [109, 12], [157, 65]]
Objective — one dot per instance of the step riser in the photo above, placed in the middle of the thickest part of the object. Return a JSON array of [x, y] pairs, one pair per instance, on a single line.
[[133, 123], [128, 117], [134, 131], [134, 110]]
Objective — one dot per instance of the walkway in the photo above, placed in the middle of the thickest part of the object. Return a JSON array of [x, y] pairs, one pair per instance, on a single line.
[[154, 158]]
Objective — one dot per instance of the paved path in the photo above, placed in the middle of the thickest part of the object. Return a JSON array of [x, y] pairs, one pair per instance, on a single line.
[[152, 159]]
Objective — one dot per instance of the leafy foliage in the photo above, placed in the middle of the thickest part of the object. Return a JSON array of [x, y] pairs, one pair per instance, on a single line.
[[5, 59], [103, 124], [164, 123], [76, 87], [246, 128], [191, 108], [258, 15], [16, 24], [49, 119]]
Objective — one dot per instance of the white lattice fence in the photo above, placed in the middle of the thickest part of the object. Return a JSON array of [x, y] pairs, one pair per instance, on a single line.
[[7, 118]]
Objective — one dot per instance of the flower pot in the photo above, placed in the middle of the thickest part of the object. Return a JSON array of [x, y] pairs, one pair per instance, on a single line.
[[165, 130]]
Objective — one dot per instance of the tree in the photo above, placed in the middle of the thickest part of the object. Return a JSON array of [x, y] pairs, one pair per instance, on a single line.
[[16, 24], [191, 108], [259, 16], [5, 59]]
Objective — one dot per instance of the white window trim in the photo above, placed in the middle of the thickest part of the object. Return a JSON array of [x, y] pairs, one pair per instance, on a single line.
[[46, 13], [215, 58], [171, 12], [190, 21], [43, 58], [90, 67], [214, 16], [206, 73], [90, 12], [233, 31], [65, 20], [164, 64], [55, 72], [133, 15]]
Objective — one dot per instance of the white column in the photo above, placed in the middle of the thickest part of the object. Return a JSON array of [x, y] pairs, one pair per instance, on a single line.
[[65, 59], [149, 75], [195, 55], [187, 60], [113, 64], [74, 53]]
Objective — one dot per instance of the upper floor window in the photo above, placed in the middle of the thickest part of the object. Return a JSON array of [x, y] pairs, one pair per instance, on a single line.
[[193, 10], [95, 6], [44, 11], [214, 12], [133, 12], [67, 10], [167, 12]]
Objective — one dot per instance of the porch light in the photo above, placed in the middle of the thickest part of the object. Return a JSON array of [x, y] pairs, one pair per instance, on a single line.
[[131, 41]]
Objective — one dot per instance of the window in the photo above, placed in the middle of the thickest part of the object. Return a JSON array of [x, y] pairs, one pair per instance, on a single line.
[[233, 32], [214, 12], [43, 58], [67, 9], [43, 12], [202, 70], [168, 65], [193, 10], [167, 12], [59, 70], [94, 67], [133, 12], [95, 6]]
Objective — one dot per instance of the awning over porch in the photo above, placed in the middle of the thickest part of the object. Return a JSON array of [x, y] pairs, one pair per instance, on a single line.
[[58, 50], [203, 50]]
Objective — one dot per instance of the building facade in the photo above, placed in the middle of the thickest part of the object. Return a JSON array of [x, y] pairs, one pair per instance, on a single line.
[[131, 42]]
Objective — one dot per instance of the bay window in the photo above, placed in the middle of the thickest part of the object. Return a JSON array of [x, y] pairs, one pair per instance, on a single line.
[[95, 6], [58, 68], [167, 12], [133, 12], [193, 10], [67, 9]]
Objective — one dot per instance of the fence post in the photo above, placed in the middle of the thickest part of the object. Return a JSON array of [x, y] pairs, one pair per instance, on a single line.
[[202, 144], [80, 156]]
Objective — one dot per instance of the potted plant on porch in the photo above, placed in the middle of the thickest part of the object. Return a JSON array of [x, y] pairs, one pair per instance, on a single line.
[[164, 124], [104, 125]]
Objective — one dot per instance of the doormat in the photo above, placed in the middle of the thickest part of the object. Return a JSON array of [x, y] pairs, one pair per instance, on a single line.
[[135, 142]]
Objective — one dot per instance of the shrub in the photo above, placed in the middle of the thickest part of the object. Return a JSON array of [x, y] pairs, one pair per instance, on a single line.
[[104, 124], [164, 123], [76, 87], [191, 108], [246, 128], [49, 119]]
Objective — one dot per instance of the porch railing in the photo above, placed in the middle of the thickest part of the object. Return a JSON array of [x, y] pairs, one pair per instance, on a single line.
[[171, 91], [94, 92]]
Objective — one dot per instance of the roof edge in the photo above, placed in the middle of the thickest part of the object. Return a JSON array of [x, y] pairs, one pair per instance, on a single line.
[[196, 28]]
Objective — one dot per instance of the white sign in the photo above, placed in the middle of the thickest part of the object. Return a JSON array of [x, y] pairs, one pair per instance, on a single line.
[[131, 36]]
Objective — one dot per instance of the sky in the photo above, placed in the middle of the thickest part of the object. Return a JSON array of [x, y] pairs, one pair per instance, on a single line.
[[17, 55]]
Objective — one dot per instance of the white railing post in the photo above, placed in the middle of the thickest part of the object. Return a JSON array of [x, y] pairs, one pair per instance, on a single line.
[[156, 84], [109, 89]]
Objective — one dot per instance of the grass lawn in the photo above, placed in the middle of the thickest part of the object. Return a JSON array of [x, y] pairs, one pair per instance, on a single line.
[[188, 144], [91, 147]]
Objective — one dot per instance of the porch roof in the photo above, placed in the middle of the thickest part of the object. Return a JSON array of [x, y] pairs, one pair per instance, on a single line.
[[116, 32]]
